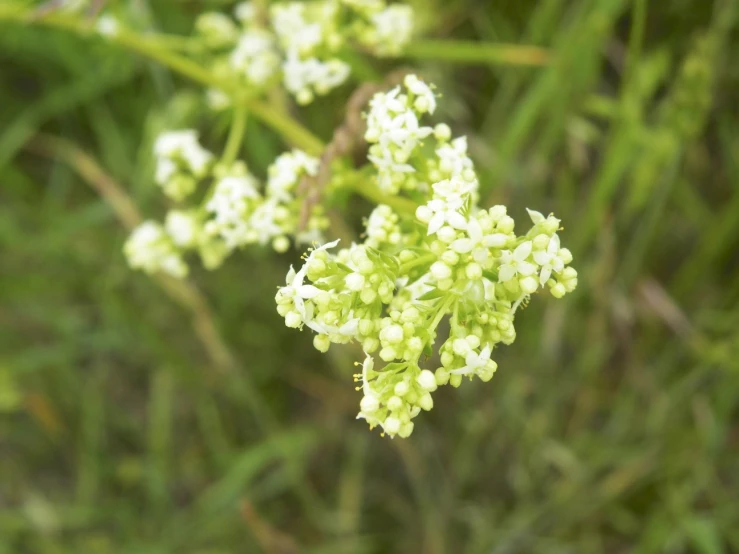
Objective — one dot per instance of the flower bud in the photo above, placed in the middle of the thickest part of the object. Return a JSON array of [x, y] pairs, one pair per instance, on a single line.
[[461, 347], [406, 430], [321, 343], [424, 214], [506, 224], [440, 271], [558, 290], [447, 234], [369, 404], [473, 271], [541, 242], [426, 380], [354, 281], [391, 425], [394, 403], [392, 334], [426, 402], [529, 285], [368, 296], [370, 344], [441, 376], [565, 255], [293, 320], [450, 257]]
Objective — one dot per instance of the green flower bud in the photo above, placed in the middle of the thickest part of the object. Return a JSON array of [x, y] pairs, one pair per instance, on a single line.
[[321, 343]]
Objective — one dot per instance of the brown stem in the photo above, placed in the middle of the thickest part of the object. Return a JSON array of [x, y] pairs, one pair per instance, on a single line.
[[182, 292]]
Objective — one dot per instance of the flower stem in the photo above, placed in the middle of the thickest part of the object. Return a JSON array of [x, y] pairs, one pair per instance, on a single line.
[[404, 206], [448, 301], [421, 260], [235, 135], [473, 52], [148, 46]]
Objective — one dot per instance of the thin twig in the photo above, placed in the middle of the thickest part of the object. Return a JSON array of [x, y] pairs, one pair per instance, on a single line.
[[347, 140], [182, 292]]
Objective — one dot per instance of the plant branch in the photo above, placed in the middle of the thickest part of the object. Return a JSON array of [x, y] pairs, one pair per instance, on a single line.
[[292, 131], [182, 292], [235, 135]]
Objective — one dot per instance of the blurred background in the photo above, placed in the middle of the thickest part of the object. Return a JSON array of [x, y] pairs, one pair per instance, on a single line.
[[139, 416]]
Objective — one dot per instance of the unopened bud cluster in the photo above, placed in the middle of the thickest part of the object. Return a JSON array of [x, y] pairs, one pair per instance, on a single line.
[[450, 259]]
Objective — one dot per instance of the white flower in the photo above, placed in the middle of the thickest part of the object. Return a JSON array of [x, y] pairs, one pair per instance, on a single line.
[[453, 158], [151, 250], [182, 146], [404, 131], [303, 77], [450, 197], [294, 32], [474, 362], [263, 226], [393, 29], [549, 260], [232, 203], [300, 292], [425, 98], [478, 243], [382, 227], [182, 228], [514, 263], [286, 171], [437, 212], [255, 56]]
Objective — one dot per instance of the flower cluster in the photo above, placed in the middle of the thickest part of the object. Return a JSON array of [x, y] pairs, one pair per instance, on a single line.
[[300, 42], [448, 259], [396, 135], [233, 210], [180, 163]]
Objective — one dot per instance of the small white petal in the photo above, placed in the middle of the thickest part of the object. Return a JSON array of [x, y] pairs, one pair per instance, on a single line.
[[457, 220], [496, 240], [506, 273], [436, 223], [546, 272], [536, 217], [541, 257], [525, 268], [474, 230], [462, 246], [308, 291], [522, 251]]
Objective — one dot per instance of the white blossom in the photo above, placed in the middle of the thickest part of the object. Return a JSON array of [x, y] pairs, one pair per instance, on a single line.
[[151, 250], [514, 263]]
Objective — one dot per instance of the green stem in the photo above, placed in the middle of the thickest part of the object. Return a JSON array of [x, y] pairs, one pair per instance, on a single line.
[[421, 260], [235, 136], [473, 52], [404, 206], [156, 50], [448, 301]]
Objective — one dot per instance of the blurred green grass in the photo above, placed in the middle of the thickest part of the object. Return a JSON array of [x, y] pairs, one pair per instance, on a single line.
[[612, 425]]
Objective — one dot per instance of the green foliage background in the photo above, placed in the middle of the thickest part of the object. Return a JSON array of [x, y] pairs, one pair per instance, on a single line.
[[611, 426]]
